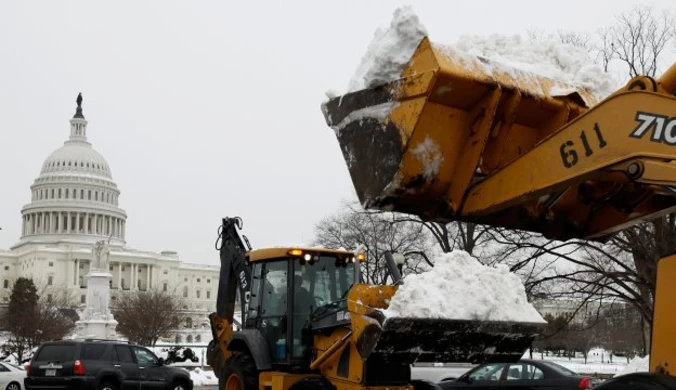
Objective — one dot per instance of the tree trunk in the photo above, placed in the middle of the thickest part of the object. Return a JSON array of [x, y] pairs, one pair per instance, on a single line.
[[646, 328]]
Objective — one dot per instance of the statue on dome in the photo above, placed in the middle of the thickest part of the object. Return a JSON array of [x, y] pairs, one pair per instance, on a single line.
[[100, 253], [79, 99]]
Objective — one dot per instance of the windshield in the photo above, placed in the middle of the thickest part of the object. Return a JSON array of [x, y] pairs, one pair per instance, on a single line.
[[322, 282]]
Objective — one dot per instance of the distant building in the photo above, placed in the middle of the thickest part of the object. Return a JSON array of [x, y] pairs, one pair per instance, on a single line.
[[567, 307], [74, 203]]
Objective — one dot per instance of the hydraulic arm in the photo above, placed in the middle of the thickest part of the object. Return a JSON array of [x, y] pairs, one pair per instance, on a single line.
[[235, 273], [462, 139], [448, 141]]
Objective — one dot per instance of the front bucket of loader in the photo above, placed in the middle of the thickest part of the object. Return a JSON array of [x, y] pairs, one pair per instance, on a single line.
[[419, 140], [428, 340], [412, 339]]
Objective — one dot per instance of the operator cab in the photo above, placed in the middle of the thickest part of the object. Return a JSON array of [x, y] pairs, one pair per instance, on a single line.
[[294, 290]]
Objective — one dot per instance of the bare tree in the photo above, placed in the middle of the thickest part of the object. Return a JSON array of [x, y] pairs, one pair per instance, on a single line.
[[34, 318], [54, 320], [146, 316], [639, 38], [620, 330], [377, 232]]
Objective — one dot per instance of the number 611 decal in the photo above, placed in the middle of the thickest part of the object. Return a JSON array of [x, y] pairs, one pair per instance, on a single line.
[[570, 155]]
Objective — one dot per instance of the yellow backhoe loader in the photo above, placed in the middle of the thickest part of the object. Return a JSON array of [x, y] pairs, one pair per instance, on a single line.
[[447, 142], [451, 141], [309, 323]]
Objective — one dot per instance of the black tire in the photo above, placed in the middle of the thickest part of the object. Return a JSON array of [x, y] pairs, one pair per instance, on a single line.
[[420, 384], [107, 385], [240, 367], [313, 383], [13, 386], [179, 384]]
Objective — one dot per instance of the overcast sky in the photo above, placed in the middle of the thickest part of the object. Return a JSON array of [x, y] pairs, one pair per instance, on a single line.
[[205, 109]]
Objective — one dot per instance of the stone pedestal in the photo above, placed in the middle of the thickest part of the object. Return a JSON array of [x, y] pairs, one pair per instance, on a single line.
[[96, 320]]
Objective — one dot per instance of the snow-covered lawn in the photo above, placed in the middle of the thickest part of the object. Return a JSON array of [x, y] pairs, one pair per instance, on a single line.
[[598, 362], [203, 377]]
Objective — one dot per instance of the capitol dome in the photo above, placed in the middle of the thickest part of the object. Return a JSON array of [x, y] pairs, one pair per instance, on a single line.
[[76, 157], [74, 198]]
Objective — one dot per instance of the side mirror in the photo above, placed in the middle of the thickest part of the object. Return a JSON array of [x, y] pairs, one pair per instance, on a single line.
[[160, 361]]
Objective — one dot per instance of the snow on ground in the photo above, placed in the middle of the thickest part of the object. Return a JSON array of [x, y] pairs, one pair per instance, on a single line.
[[637, 364], [477, 292], [202, 377]]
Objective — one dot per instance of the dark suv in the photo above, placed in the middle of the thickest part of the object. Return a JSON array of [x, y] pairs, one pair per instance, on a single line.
[[101, 365]]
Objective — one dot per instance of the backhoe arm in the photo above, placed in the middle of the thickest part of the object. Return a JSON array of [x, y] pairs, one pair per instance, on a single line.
[[235, 273], [461, 140]]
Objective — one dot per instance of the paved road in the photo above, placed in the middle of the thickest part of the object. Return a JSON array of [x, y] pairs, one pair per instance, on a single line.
[[433, 374]]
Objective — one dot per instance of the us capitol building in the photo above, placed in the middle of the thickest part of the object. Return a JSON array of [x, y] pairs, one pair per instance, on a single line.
[[74, 203]]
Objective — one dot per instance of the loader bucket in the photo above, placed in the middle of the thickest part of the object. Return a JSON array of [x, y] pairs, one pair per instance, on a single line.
[[426, 340], [422, 139], [429, 340]]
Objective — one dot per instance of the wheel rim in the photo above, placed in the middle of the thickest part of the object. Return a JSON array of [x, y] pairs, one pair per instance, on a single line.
[[13, 386], [233, 383], [178, 387]]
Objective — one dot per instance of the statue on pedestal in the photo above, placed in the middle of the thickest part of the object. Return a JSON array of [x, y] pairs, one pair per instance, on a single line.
[[100, 253]]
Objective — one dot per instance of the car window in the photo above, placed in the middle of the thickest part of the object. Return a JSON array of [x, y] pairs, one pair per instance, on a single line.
[[56, 353], [123, 354], [93, 351], [524, 371], [534, 372], [143, 356], [489, 372], [3, 368]]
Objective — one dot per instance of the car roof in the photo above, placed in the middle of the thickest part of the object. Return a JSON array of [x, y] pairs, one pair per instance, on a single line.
[[79, 341]]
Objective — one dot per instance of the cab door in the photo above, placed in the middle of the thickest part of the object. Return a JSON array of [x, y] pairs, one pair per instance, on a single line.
[[272, 316]]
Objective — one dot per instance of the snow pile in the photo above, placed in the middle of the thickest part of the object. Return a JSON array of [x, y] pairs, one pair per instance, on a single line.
[[392, 46], [563, 62], [389, 50], [460, 287], [637, 364], [203, 377]]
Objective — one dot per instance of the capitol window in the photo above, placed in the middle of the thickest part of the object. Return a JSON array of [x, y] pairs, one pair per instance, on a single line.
[[5, 283]]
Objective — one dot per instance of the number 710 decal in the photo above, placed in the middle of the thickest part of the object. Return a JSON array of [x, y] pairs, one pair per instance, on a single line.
[[570, 155], [663, 128]]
